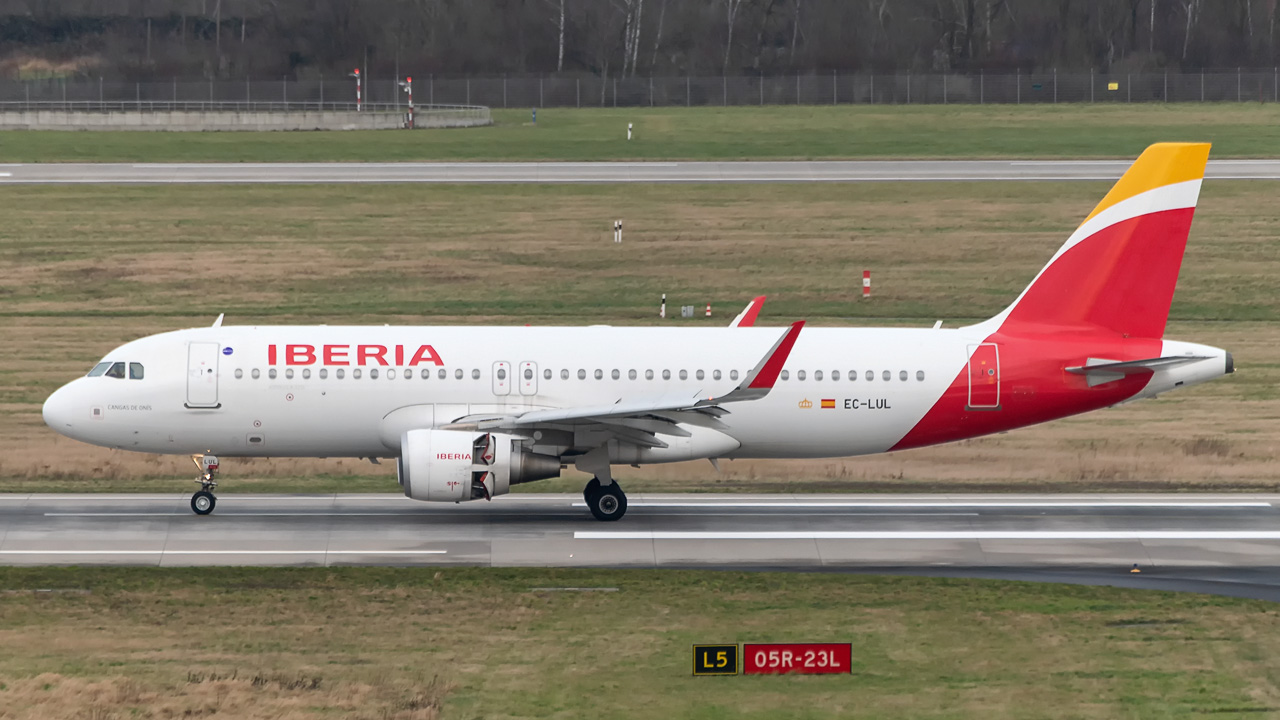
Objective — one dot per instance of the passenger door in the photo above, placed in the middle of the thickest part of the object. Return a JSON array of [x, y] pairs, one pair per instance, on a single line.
[[984, 377]]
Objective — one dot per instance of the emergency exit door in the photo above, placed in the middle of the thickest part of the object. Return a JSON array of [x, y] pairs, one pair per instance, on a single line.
[[528, 378], [202, 375], [984, 377]]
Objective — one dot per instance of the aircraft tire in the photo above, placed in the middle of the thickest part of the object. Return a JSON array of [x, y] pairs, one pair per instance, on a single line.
[[203, 502], [608, 503], [590, 490]]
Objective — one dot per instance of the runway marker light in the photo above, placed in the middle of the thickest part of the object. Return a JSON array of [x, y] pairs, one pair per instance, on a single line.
[[708, 309], [617, 231], [662, 309], [1113, 86], [1135, 568], [866, 284], [628, 131], [356, 74]]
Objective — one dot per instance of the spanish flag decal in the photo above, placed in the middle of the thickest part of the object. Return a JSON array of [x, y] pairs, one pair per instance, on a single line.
[[828, 404]]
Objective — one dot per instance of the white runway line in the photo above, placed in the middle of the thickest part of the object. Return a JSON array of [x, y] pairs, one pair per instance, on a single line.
[[957, 504], [934, 535], [6, 174], [223, 552]]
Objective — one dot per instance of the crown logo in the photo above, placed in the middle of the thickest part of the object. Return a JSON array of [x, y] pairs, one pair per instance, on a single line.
[[806, 404]]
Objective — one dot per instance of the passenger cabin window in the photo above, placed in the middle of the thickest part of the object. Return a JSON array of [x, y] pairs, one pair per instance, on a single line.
[[786, 375], [239, 373], [599, 374], [135, 371], [306, 373], [271, 373], [116, 371], [835, 374], [700, 375], [920, 375], [475, 374], [99, 369], [800, 375], [817, 374], [648, 374], [255, 374], [715, 375], [546, 374], [666, 374], [373, 373], [733, 374], [871, 375], [564, 374], [324, 373], [614, 374]]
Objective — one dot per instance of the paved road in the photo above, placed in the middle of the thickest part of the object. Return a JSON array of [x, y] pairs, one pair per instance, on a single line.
[[1223, 544], [604, 172]]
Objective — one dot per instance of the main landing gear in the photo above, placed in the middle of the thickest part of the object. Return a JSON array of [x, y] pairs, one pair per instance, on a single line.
[[606, 502], [203, 502]]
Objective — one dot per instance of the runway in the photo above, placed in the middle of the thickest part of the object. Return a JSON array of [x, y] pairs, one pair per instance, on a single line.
[[1219, 543], [604, 172]]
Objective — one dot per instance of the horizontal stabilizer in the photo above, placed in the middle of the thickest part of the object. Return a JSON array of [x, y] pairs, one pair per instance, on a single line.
[[1098, 371]]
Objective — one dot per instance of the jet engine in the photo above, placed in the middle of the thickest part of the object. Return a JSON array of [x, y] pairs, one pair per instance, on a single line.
[[454, 465]]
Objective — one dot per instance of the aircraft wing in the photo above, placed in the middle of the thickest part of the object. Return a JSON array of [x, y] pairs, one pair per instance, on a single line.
[[640, 419]]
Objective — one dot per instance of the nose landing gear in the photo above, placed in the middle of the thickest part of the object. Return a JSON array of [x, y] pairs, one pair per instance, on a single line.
[[203, 501]]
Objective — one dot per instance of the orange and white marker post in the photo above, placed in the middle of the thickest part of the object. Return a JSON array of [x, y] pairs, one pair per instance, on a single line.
[[359, 103], [866, 284], [708, 309]]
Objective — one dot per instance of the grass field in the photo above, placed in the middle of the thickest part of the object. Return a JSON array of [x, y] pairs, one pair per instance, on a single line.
[[111, 644], [83, 269], [735, 133]]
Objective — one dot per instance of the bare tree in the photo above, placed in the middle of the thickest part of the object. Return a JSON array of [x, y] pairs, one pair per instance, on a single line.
[[731, 11], [1192, 8], [657, 37]]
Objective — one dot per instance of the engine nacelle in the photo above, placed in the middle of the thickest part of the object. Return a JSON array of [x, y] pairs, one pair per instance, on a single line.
[[455, 465]]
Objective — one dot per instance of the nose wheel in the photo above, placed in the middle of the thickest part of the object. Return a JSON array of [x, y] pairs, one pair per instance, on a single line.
[[203, 501], [606, 502]]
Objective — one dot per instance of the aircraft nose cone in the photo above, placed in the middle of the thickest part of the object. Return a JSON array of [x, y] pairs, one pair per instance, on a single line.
[[58, 410]]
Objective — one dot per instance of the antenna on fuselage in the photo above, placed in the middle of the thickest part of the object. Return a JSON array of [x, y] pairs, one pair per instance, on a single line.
[[218, 322]]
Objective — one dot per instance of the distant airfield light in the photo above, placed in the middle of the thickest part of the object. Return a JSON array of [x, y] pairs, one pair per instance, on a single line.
[[617, 231], [356, 74], [662, 309], [408, 87], [628, 131], [866, 284]]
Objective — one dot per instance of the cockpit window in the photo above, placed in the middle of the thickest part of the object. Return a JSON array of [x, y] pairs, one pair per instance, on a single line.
[[116, 371], [135, 371], [99, 369]]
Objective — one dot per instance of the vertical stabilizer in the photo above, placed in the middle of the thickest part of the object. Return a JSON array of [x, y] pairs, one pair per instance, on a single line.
[[1118, 270]]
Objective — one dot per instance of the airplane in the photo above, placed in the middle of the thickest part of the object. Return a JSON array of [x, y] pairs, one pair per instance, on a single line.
[[467, 412]]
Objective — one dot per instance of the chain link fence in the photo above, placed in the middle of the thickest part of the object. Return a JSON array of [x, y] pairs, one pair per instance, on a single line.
[[591, 91]]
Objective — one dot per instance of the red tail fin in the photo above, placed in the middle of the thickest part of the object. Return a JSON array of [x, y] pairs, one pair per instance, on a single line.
[[1118, 270]]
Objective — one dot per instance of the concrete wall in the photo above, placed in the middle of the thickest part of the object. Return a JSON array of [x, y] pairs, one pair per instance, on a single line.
[[183, 120]]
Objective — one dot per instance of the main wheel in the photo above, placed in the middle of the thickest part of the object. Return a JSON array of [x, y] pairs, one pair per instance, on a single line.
[[608, 502], [202, 503], [590, 490]]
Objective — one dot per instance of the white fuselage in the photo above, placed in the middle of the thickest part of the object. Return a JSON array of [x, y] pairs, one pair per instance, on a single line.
[[276, 391]]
